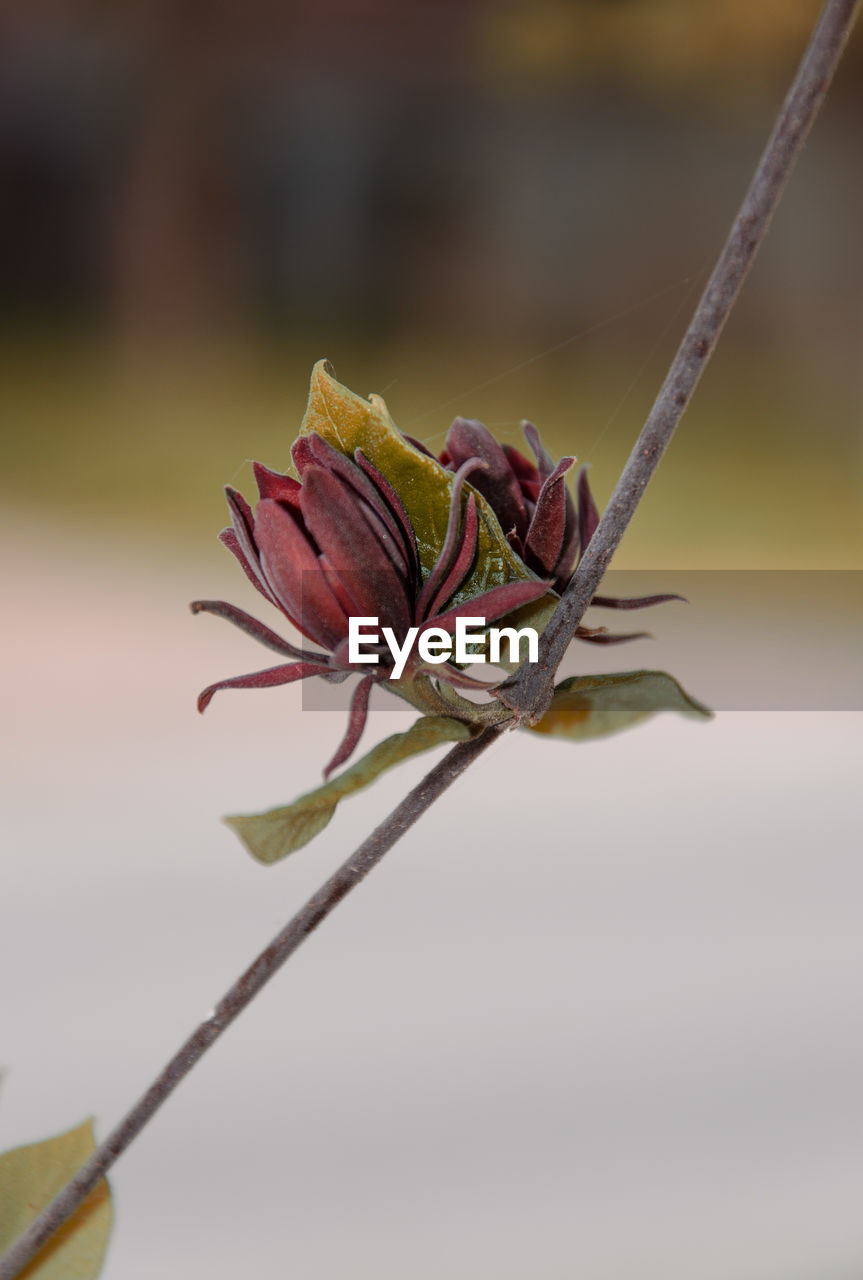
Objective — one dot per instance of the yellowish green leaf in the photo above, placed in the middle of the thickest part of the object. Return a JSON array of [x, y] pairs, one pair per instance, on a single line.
[[273, 835], [594, 706], [348, 422], [30, 1178]]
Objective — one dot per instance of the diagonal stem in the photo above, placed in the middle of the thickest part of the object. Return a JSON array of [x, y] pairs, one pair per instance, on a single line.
[[529, 691]]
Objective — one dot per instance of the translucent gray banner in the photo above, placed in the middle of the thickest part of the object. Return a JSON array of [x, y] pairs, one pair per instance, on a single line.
[[744, 640]]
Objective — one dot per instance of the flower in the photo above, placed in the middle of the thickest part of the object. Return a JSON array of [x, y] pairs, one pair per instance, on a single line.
[[536, 511], [338, 543], [531, 501]]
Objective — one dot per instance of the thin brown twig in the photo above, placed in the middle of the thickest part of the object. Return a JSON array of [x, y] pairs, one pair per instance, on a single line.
[[530, 690]]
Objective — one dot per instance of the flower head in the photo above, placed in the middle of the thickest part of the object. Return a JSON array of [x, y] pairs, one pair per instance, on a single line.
[[531, 500], [536, 511], [337, 543]]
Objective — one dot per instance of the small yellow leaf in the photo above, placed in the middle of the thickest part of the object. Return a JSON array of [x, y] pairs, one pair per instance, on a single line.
[[30, 1178], [273, 835], [594, 706]]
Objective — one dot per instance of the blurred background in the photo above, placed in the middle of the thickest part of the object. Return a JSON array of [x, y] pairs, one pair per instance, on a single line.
[[506, 210], [500, 209]]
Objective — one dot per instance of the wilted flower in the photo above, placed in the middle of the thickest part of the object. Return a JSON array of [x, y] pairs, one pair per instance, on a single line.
[[536, 510], [531, 501], [338, 543]]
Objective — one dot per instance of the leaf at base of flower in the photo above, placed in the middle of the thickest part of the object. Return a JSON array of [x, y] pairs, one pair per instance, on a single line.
[[424, 486], [30, 1177], [594, 706], [273, 835]]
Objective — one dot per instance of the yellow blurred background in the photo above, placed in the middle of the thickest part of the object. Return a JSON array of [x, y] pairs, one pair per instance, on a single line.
[[504, 210]]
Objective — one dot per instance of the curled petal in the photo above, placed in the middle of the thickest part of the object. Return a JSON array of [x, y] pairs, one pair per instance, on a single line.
[[491, 605], [599, 635], [339, 523], [228, 538], [388, 529], [272, 484], [464, 558], [241, 515], [290, 562], [548, 529], [302, 453], [356, 723], [525, 472], [588, 515], [544, 460], [633, 602], [453, 542], [264, 679], [341, 658], [255, 629], [243, 543], [468, 438], [392, 500], [569, 551], [340, 585]]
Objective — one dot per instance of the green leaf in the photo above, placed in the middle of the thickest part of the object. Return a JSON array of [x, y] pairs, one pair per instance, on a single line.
[[30, 1177], [273, 835], [593, 706], [348, 422]]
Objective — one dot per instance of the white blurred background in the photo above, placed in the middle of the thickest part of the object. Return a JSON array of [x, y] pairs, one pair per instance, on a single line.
[[599, 1014]]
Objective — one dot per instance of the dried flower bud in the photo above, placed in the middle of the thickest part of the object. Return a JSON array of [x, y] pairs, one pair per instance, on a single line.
[[338, 543]]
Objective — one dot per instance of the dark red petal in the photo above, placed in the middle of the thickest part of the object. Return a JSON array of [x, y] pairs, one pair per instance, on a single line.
[[243, 523], [344, 668], [544, 460], [228, 538], [263, 679], [367, 483], [545, 538], [302, 454], [569, 551], [356, 723], [468, 438], [343, 586], [241, 512], [588, 516], [463, 561], [601, 636], [632, 602], [524, 471], [454, 541], [255, 629], [290, 563], [400, 516], [493, 604], [272, 484], [336, 519]]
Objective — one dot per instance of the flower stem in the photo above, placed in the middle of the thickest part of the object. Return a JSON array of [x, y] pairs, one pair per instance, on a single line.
[[529, 691]]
